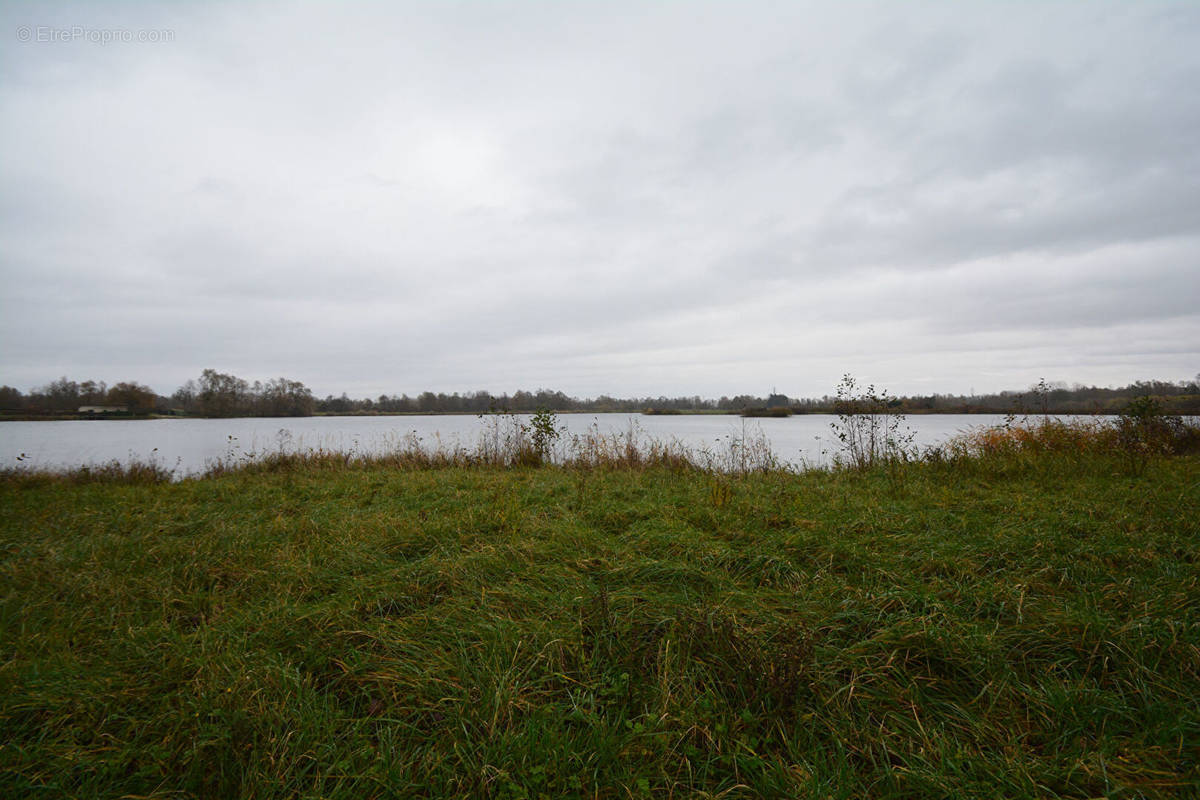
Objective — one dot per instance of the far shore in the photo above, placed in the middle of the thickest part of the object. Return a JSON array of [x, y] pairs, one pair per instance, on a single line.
[[693, 413]]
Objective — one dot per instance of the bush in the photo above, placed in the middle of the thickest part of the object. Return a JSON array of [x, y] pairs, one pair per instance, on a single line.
[[870, 427]]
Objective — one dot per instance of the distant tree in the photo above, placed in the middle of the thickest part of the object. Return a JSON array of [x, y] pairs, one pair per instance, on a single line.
[[11, 399], [137, 398], [285, 398], [92, 393], [401, 403], [335, 405], [61, 395], [522, 401], [222, 395], [187, 396]]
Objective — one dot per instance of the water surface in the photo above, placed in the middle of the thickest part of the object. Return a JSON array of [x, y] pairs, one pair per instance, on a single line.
[[189, 446]]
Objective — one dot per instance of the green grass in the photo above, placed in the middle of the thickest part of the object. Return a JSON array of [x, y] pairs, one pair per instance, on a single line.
[[984, 627]]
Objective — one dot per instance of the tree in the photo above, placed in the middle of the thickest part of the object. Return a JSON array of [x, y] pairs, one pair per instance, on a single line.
[[11, 399], [186, 396], [137, 398], [62, 395], [285, 398], [222, 395], [92, 393]]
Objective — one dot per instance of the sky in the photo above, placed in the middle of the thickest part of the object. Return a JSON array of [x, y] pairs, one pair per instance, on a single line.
[[630, 198]]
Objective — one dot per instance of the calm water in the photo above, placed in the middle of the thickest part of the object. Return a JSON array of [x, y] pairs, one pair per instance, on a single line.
[[190, 445]]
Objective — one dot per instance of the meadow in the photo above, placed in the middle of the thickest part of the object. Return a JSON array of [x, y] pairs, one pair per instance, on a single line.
[[1016, 615]]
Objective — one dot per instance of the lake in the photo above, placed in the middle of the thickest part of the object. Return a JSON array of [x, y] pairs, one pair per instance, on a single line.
[[190, 445]]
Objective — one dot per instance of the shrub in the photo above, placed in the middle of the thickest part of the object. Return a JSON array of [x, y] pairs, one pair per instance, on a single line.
[[870, 427]]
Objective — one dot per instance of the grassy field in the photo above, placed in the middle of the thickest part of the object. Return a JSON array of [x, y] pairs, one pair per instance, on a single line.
[[983, 627]]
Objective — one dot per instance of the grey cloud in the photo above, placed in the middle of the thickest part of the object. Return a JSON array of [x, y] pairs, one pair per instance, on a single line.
[[609, 199]]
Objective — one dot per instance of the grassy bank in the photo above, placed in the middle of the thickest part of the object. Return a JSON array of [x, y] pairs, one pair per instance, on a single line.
[[1014, 623]]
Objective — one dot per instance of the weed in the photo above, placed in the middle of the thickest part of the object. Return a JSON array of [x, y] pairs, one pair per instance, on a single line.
[[870, 427]]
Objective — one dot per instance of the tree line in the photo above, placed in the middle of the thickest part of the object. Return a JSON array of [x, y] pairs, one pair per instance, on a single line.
[[213, 394], [67, 396], [481, 402], [216, 394], [1059, 398]]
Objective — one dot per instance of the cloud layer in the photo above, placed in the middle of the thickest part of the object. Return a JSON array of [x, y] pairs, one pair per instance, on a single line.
[[631, 199]]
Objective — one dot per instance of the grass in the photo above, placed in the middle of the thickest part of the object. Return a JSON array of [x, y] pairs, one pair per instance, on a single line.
[[1005, 619]]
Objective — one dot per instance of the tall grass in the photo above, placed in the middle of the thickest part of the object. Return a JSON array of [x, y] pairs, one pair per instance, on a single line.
[[508, 441], [1130, 440], [135, 471], [870, 440], [622, 624]]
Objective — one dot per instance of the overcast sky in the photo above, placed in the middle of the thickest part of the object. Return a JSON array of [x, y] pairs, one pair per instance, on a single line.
[[634, 199]]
